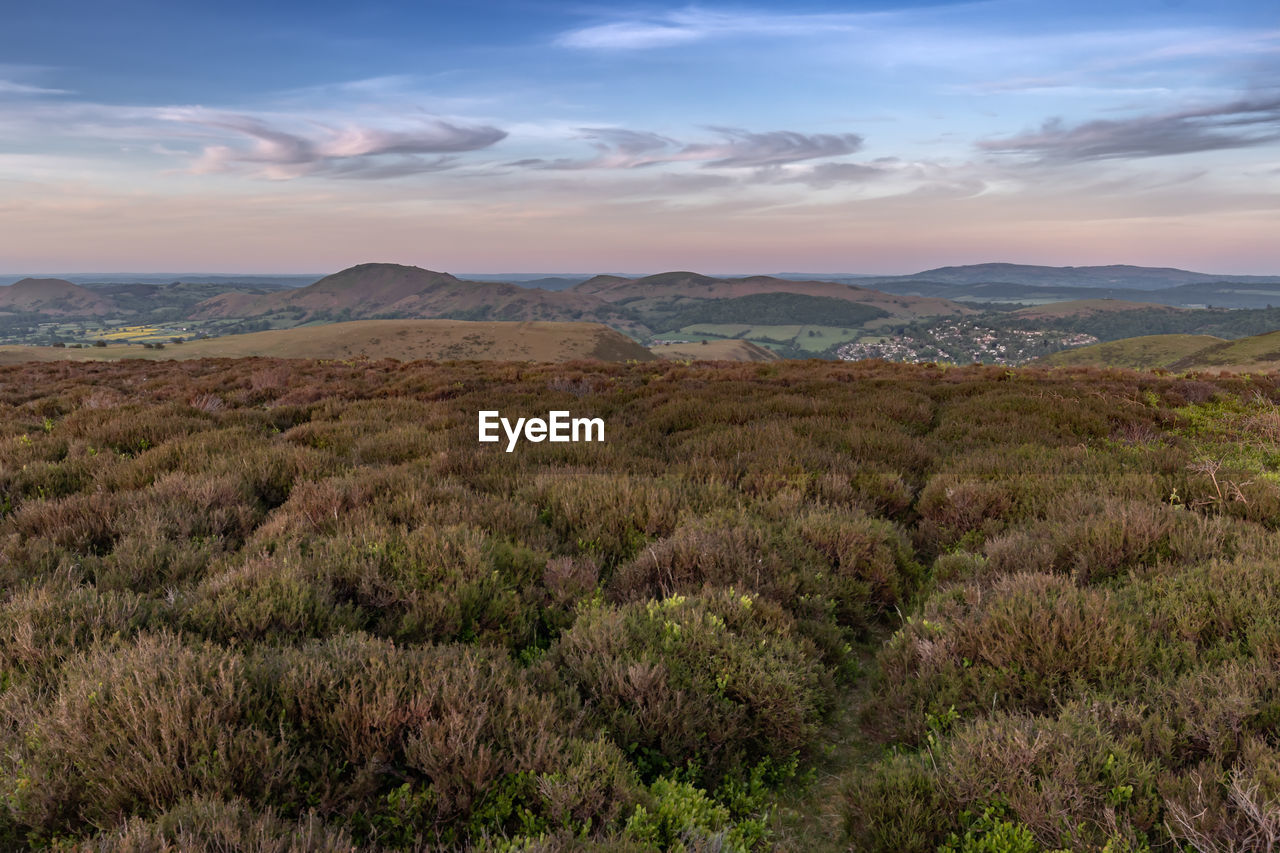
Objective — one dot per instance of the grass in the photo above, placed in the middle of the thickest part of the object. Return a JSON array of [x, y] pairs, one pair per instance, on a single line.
[[1142, 353], [792, 605], [811, 338], [400, 339]]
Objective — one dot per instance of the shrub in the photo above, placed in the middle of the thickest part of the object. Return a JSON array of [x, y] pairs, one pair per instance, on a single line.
[[709, 680]]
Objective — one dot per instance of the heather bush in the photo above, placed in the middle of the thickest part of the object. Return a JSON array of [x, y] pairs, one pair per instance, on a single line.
[[706, 682], [292, 605], [205, 823], [133, 730]]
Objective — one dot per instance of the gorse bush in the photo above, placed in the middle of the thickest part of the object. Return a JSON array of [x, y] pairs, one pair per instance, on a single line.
[[296, 606]]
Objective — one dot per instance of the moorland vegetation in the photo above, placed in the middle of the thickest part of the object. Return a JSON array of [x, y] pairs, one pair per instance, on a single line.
[[295, 605]]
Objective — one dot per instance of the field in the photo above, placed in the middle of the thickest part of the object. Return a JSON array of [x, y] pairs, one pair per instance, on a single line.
[[294, 605], [814, 339], [399, 339], [714, 350]]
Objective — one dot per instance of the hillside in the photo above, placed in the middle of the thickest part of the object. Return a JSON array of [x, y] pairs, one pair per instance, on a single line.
[[1114, 275], [406, 340], [1178, 352], [774, 309], [54, 297], [656, 295], [1257, 352], [377, 290], [1141, 353], [724, 350], [1086, 308]]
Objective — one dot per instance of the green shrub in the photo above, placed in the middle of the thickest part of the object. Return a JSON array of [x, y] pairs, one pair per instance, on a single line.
[[707, 681]]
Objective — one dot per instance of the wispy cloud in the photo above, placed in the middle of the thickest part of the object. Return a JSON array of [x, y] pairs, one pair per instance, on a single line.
[[827, 175], [622, 148], [693, 25], [10, 87], [1238, 124], [349, 150]]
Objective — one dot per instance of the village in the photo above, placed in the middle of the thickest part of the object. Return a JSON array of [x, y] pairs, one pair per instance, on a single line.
[[964, 343]]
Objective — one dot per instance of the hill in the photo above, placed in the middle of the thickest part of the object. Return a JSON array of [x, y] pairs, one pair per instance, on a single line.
[[775, 309], [54, 297], [439, 340], [655, 296], [386, 291], [1113, 275], [1142, 353], [726, 350], [1257, 352], [1087, 308]]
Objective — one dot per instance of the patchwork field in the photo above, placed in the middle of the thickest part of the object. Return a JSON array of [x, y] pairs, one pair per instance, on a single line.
[[295, 605]]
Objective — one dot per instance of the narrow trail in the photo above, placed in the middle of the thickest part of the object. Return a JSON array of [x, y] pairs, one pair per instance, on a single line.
[[811, 819]]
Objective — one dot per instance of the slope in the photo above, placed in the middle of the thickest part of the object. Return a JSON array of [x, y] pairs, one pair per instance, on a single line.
[[1087, 308], [653, 297], [406, 340], [54, 297], [1141, 353], [726, 350], [372, 291]]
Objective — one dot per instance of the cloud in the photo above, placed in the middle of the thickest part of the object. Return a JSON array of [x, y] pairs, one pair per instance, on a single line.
[[693, 25], [348, 151], [626, 35], [9, 87], [622, 148], [827, 175], [774, 148], [1239, 124]]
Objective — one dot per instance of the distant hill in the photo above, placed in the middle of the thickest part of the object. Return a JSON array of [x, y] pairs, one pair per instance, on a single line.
[[1115, 275], [1087, 308], [439, 340], [253, 280], [377, 290], [54, 297], [663, 293], [776, 309], [727, 350]]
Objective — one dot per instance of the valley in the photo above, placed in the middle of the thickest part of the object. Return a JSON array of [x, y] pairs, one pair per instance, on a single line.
[[987, 313]]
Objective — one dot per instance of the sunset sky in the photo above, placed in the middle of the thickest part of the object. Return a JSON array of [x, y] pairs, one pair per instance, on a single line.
[[588, 137]]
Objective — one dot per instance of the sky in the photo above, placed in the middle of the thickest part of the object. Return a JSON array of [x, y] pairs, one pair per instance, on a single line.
[[519, 135]]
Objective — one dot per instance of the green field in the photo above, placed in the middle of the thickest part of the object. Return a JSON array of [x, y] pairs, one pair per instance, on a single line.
[[812, 338]]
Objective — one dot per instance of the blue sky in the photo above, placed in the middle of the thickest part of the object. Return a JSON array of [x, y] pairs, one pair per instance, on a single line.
[[485, 137]]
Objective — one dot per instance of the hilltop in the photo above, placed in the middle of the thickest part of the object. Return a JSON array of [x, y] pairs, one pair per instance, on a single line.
[[1112, 275], [672, 290], [55, 297], [378, 290], [406, 340], [1087, 308]]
